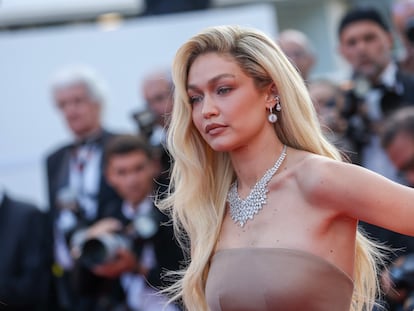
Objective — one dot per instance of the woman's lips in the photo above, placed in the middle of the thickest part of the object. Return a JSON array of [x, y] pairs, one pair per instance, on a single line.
[[214, 128]]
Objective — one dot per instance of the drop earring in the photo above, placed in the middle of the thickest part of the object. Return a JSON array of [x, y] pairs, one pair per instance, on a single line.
[[277, 100], [272, 117]]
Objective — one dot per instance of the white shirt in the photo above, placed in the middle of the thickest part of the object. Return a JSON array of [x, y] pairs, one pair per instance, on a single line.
[[84, 181], [84, 177], [373, 155]]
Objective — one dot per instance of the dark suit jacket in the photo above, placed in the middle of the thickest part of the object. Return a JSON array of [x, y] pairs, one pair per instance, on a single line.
[[58, 164], [23, 261], [58, 174]]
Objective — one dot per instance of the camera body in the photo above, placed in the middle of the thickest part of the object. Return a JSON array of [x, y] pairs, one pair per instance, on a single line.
[[402, 275], [146, 121], [104, 248]]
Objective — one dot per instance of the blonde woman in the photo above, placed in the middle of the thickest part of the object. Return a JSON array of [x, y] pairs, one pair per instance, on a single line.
[[268, 207]]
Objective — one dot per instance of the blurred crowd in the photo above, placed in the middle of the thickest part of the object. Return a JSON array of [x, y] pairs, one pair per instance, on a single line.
[[102, 245]]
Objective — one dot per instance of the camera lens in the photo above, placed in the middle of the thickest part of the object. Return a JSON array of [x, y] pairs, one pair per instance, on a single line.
[[102, 249]]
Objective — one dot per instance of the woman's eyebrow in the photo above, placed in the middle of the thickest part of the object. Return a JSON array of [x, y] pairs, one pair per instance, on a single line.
[[212, 80]]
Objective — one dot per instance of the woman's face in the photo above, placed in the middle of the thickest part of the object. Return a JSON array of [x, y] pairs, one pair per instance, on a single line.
[[227, 108]]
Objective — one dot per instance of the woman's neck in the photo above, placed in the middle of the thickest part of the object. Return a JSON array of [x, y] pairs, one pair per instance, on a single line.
[[252, 161]]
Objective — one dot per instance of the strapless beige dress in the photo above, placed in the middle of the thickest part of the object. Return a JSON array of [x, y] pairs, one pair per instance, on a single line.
[[275, 279]]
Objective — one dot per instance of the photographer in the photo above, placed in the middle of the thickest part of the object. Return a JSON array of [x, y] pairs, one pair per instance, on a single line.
[[133, 245], [152, 122], [403, 19], [377, 87], [77, 189]]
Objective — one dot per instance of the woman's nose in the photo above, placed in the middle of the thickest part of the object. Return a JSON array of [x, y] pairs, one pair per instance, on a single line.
[[209, 108]]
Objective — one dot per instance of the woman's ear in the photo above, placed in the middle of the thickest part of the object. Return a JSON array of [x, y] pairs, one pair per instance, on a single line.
[[273, 89], [271, 94]]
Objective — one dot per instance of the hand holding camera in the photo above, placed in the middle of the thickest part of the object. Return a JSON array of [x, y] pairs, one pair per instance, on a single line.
[[107, 247], [124, 261], [104, 226]]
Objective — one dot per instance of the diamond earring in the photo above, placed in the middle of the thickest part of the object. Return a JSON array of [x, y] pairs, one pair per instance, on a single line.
[[277, 100], [272, 117]]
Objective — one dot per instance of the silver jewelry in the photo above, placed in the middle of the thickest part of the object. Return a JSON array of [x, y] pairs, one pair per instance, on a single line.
[[277, 99], [272, 117], [243, 210]]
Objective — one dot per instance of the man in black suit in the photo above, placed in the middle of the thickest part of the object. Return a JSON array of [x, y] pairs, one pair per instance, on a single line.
[[147, 246], [23, 261], [77, 187], [378, 87]]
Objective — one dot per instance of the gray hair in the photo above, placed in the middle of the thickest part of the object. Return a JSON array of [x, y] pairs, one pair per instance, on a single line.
[[83, 75], [298, 37], [163, 73]]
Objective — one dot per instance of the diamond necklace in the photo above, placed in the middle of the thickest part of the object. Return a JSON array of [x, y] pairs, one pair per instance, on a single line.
[[243, 210]]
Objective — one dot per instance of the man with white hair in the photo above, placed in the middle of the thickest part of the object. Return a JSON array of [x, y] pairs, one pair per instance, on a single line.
[[77, 188]]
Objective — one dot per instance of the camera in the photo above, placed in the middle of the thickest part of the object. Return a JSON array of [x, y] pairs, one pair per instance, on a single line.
[[104, 248], [402, 275], [146, 121]]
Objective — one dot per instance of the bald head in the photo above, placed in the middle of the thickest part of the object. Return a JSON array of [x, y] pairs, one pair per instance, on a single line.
[[157, 89]]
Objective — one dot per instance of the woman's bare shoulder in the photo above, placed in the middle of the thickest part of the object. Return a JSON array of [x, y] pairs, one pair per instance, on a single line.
[[313, 172], [301, 162]]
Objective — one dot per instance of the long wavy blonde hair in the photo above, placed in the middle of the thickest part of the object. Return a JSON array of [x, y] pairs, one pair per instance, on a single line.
[[201, 177]]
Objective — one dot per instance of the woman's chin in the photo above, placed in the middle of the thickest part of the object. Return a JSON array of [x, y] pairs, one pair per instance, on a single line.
[[222, 147]]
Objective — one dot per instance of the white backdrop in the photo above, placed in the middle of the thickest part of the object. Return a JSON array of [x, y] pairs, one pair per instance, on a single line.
[[31, 127]]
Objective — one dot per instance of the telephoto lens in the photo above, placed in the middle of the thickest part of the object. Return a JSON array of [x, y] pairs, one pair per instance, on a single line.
[[102, 249]]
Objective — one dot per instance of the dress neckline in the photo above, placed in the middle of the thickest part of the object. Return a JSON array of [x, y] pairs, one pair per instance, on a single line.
[[307, 254]]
